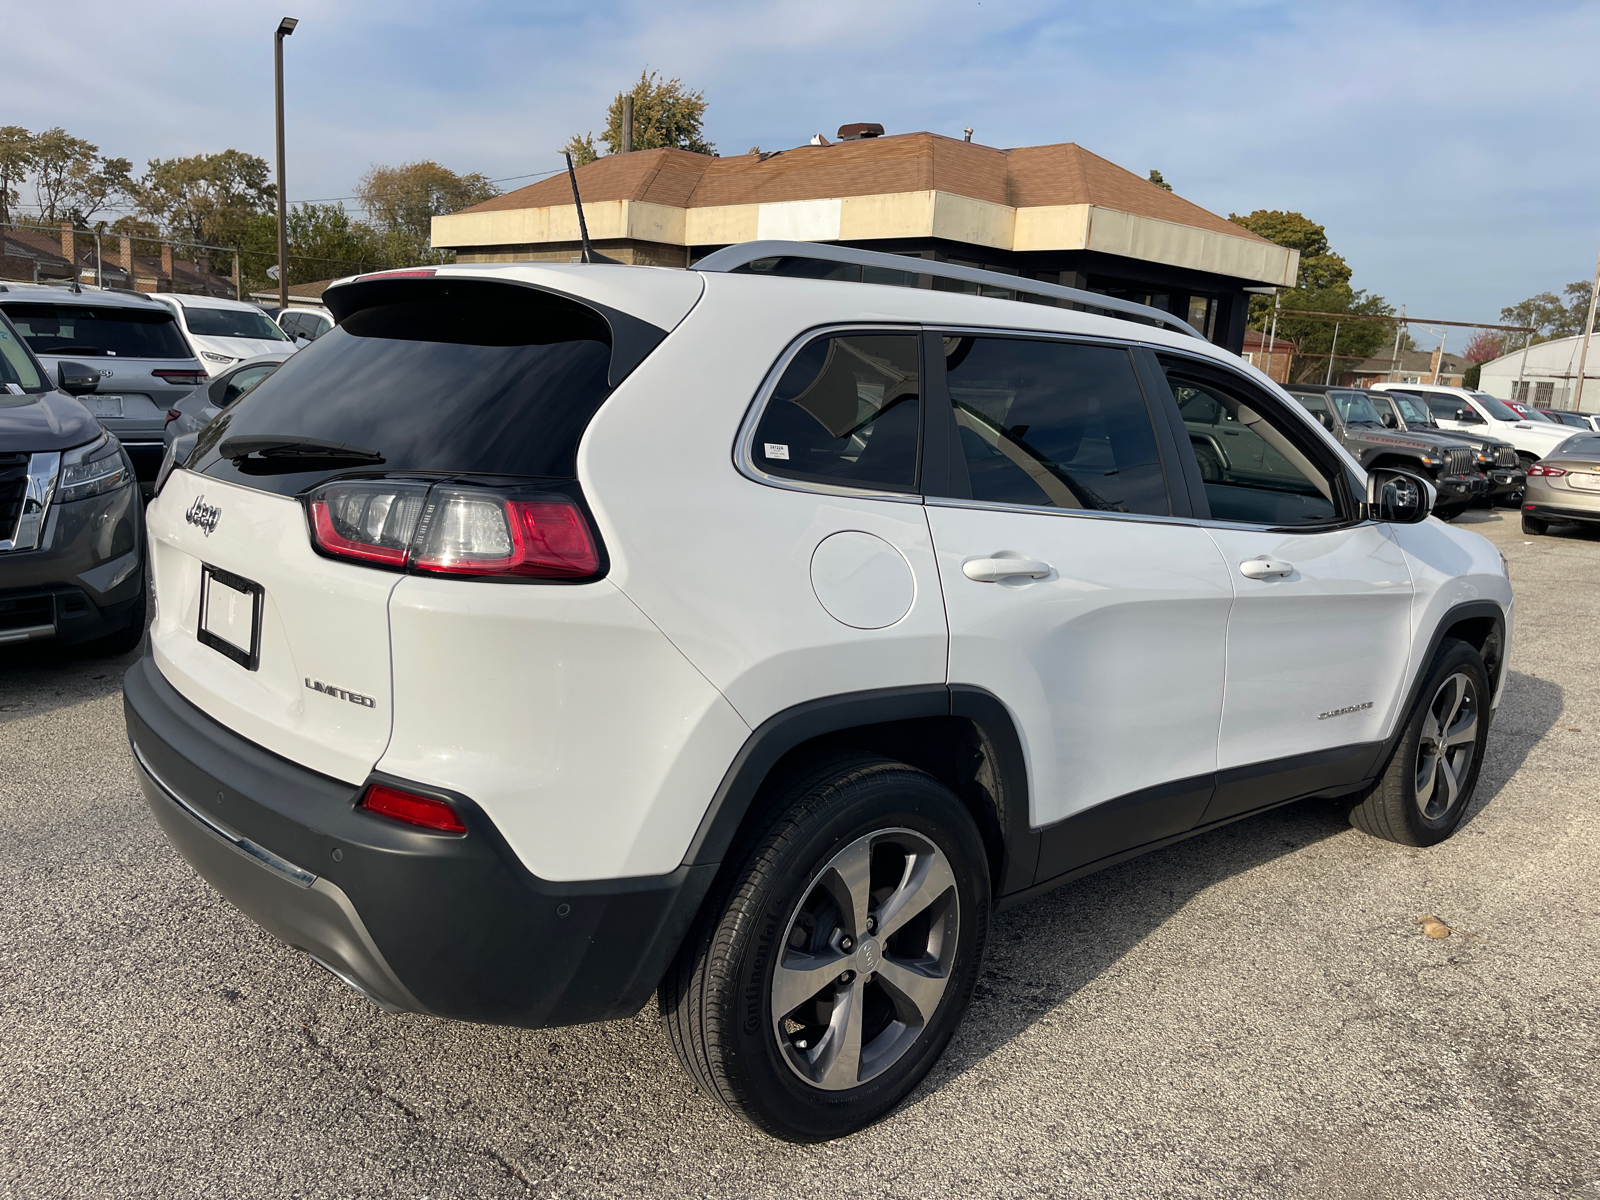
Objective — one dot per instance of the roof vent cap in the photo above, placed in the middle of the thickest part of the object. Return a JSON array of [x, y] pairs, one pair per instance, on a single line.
[[861, 129]]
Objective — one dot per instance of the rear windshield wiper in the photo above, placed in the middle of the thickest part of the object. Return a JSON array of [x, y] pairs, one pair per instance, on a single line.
[[268, 446]]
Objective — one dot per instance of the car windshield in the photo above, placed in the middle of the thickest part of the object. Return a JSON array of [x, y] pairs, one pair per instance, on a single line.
[[232, 322], [1414, 412], [1356, 409], [17, 368], [90, 332], [1535, 415], [1497, 409]]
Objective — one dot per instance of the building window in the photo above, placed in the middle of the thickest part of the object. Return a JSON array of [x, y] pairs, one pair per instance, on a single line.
[[1543, 393]]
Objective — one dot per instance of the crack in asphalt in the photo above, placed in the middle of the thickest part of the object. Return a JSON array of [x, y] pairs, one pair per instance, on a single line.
[[378, 1092]]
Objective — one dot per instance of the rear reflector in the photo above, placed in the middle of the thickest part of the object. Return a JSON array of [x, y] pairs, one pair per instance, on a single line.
[[412, 810], [450, 530]]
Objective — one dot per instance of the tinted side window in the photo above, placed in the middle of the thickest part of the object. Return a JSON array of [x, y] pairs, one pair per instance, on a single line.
[[242, 382], [1054, 424], [290, 324], [846, 411], [1312, 404], [1253, 473]]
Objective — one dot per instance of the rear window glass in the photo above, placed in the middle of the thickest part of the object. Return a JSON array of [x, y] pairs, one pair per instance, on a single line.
[[1054, 424], [89, 332], [485, 379], [846, 412], [232, 322]]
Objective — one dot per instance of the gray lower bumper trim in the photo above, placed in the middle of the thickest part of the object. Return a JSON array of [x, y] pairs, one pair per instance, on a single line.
[[298, 876]]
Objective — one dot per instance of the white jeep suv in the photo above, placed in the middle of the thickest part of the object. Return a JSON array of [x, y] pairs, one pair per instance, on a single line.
[[545, 637]]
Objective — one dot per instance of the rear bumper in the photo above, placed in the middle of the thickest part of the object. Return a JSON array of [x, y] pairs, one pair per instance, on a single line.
[[1560, 512], [420, 922]]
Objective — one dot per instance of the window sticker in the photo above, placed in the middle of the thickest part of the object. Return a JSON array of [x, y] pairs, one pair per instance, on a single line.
[[775, 449]]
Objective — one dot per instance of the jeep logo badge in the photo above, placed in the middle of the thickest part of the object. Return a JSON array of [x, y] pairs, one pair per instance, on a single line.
[[204, 515]]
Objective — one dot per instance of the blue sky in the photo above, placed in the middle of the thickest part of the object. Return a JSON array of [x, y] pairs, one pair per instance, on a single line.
[[1448, 148]]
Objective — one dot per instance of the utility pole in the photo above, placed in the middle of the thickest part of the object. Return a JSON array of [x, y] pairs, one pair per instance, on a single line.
[[1439, 366], [1272, 341], [1328, 378], [1588, 327], [285, 28], [627, 124], [1394, 361], [99, 260]]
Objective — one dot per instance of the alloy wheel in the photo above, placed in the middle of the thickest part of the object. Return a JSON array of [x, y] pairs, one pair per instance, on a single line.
[[1446, 748], [865, 959]]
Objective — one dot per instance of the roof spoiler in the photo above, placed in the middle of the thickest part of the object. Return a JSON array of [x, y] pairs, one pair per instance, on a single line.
[[732, 258]]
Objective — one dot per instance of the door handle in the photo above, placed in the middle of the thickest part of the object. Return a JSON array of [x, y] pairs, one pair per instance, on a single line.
[[1266, 568], [992, 570]]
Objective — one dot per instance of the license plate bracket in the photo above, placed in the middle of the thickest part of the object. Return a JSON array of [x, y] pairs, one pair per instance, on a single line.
[[230, 615], [103, 406], [1589, 482]]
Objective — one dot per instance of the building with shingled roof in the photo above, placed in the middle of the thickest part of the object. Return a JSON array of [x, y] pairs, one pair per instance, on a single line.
[[1056, 213]]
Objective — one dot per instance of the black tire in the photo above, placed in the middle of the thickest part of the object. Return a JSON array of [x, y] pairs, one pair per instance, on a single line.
[[128, 637], [776, 911], [1210, 465], [1413, 803], [1533, 526]]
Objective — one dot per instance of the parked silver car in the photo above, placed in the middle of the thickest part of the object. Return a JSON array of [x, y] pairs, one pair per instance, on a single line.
[[136, 361], [206, 401]]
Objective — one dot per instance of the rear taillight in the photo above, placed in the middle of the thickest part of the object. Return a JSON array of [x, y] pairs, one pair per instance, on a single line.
[[173, 375], [412, 810], [1541, 469], [450, 530], [172, 415]]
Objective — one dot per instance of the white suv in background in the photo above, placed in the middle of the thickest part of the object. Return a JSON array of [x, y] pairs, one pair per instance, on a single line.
[[543, 637], [1478, 412], [225, 332]]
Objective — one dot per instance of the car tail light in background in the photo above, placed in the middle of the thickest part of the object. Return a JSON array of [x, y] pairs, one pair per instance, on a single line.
[[176, 376], [172, 415], [1541, 469], [447, 529], [401, 806]]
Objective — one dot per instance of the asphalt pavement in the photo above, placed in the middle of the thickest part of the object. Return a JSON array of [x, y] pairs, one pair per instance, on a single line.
[[1254, 1012]]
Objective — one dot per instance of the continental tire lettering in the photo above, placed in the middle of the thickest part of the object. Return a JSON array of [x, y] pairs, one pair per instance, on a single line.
[[327, 689]]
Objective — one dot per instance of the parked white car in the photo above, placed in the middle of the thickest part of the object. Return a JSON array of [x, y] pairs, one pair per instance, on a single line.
[[225, 332], [305, 325], [1478, 412], [545, 637]]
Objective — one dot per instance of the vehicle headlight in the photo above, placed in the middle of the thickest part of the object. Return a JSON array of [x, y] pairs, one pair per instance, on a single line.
[[217, 358], [91, 470]]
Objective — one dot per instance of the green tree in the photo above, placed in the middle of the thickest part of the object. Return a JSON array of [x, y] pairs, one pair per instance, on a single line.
[[208, 198], [16, 159], [1322, 285], [1155, 178], [1549, 315], [71, 182], [665, 113], [401, 202]]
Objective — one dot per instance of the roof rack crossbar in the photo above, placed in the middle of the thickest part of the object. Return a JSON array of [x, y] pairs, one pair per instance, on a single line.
[[731, 258]]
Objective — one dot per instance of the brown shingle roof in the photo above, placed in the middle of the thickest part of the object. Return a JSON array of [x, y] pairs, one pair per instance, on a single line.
[[1031, 176]]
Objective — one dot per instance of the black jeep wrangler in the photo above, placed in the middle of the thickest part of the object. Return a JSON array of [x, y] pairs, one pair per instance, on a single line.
[[1497, 459], [1352, 417]]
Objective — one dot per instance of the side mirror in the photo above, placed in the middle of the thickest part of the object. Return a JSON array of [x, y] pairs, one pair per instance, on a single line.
[[1398, 497], [76, 379], [1326, 421], [1388, 420]]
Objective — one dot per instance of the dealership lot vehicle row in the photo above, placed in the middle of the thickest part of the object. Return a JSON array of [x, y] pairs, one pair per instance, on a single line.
[[1254, 1012]]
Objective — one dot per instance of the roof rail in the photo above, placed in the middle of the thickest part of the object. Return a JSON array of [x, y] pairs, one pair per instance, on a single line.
[[731, 258]]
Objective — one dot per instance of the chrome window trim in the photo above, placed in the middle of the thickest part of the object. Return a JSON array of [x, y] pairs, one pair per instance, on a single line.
[[1096, 514], [282, 867], [744, 443], [43, 471]]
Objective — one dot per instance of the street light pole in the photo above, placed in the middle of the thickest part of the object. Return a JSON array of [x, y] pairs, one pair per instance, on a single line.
[[1588, 326], [285, 28], [1328, 378]]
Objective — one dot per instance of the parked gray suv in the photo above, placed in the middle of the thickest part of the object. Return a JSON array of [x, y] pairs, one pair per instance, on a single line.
[[140, 364], [1350, 415]]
